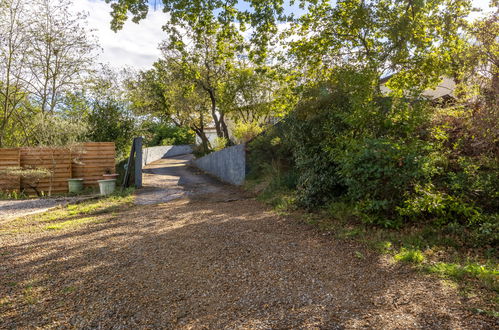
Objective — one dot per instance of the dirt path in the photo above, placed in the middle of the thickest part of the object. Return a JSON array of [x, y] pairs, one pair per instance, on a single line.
[[213, 259], [171, 178]]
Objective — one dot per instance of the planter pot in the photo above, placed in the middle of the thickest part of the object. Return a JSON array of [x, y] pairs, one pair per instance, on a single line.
[[107, 186], [75, 185], [110, 176]]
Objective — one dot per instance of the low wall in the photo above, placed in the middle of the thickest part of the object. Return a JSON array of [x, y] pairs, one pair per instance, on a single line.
[[229, 164], [152, 154]]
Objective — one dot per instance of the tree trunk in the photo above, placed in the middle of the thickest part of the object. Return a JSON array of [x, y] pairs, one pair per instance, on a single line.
[[204, 140], [225, 130]]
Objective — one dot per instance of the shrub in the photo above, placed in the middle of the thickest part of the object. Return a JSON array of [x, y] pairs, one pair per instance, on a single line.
[[161, 134], [390, 160], [244, 132], [379, 171], [426, 201], [269, 150], [219, 143]]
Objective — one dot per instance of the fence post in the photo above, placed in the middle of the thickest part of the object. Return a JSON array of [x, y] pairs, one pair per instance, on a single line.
[[138, 162]]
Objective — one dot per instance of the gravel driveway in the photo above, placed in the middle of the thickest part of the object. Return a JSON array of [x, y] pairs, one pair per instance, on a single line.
[[216, 259]]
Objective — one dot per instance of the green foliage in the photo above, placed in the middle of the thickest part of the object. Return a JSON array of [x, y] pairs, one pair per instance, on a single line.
[[277, 188], [487, 273], [377, 171], [232, 18], [55, 131], [445, 208], [12, 195], [164, 135], [386, 157], [269, 150], [111, 121], [413, 39], [199, 151], [219, 143], [244, 132], [410, 256]]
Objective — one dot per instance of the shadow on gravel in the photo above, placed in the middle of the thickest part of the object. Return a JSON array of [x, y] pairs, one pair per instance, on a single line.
[[197, 263]]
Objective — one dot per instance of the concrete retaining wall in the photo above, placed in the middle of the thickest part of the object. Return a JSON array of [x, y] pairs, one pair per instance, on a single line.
[[229, 164], [152, 154]]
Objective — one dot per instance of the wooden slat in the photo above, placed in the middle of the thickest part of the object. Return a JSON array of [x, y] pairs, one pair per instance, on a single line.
[[88, 161], [56, 160], [92, 161], [10, 158]]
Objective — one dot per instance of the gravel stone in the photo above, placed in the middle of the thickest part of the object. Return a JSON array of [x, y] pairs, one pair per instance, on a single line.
[[214, 259]]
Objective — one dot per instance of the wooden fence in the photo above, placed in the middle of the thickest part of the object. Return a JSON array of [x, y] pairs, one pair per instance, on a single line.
[[87, 160], [9, 158], [95, 159]]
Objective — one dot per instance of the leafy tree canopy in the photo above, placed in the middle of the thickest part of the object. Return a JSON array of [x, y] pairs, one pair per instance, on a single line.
[[208, 17]]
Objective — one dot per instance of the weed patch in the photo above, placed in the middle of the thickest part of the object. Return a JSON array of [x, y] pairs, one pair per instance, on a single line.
[[489, 275], [410, 256]]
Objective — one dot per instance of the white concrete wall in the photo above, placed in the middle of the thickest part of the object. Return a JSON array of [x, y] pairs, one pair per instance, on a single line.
[[152, 154], [228, 164], [211, 134]]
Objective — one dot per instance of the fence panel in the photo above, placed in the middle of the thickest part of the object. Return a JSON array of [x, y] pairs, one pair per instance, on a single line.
[[56, 160], [92, 161], [9, 158], [87, 160]]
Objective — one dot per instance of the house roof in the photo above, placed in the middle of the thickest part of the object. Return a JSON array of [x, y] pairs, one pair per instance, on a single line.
[[445, 88]]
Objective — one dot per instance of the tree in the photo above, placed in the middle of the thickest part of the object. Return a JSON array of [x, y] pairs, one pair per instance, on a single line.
[[165, 93], [45, 52], [205, 40], [413, 40], [61, 52], [13, 60], [108, 116], [206, 16], [207, 63]]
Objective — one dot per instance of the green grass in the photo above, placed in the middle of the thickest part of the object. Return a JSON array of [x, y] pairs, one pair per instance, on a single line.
[[73, 223], [71, 216], [487, 274], [359, 255], [12, 195], [69, 289], [383, 247], [410, 256], [31, 294], [349, 233]]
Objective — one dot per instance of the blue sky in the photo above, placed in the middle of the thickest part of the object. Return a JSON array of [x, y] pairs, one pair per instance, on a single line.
[[136, 45]]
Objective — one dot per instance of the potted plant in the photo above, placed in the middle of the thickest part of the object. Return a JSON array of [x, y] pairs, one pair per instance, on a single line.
[[75, 185], [107, 186], [108, 174]]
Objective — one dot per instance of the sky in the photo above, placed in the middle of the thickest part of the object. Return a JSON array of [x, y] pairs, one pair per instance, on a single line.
[[136, 45]]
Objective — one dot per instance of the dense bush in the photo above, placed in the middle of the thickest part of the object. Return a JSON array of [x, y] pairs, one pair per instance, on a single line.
[[269, 150], [111, 121], [244, 132], [393, 160], [162, 135]]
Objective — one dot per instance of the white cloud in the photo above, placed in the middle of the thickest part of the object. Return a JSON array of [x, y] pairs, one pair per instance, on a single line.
[[136, 45]]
